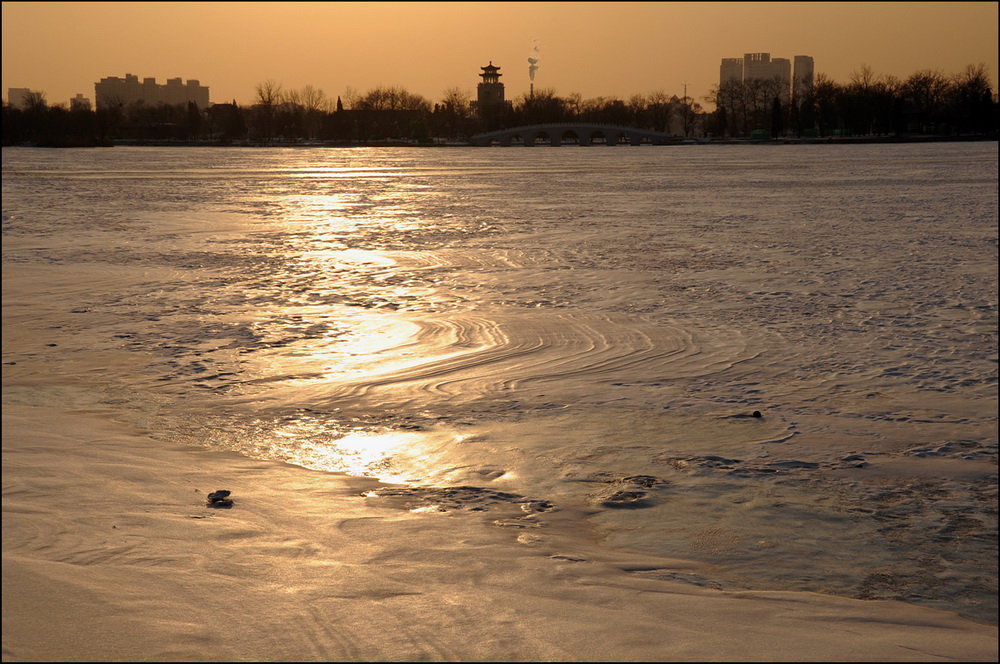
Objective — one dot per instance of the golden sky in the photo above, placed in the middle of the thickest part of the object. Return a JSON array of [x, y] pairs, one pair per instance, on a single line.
[[610, 49]]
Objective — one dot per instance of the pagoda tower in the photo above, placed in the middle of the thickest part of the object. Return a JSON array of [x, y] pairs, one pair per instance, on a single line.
[[491, 89]]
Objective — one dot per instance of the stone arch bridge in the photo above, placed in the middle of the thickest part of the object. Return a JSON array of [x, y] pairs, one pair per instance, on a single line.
[[574, 133]]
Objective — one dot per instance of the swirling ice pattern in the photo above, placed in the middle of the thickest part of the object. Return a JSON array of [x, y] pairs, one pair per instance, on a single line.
[[558, 354]]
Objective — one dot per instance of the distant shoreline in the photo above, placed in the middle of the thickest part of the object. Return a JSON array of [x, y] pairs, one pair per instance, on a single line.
[[680, 141]]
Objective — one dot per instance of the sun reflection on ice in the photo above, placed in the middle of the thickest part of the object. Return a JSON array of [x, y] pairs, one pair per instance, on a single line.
[[359, 452], [428, 457], [348, 316]]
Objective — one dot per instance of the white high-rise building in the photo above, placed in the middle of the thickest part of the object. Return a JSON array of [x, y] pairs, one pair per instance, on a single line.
[[128, 90], [18, 97], [731, 70], [803, 74], [79, 103], [762, 66]]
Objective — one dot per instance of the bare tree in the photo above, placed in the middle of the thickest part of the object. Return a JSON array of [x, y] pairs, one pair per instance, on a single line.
[[864, 79], [926, 93], [269, 95], [972, 98], [636, 105], [755, 100], [974, 80], [606, 110], [34, 102], [861, 101], [574, 104], [392, 98], [350, 98], [393, 112], [290, 97], [776, 94], [660, 110], [731, 103], [827, 96], [315, 105], [543, 106], [314, 99], [455, 112], [775, 87]]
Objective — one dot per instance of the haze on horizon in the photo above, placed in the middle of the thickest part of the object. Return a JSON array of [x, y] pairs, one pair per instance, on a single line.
[[595, 49]]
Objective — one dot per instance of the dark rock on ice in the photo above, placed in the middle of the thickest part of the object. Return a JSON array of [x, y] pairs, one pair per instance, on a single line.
[[756, 415], [626, 500], [220, 498]]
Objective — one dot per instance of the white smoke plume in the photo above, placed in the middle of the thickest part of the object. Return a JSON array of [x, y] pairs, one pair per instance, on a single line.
[[536, 49]]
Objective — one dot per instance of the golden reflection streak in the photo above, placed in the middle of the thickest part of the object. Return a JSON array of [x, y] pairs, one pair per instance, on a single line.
[[338, 172], [362, 340]]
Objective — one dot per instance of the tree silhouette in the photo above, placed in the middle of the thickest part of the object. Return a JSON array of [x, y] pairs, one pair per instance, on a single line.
[[971, 99], [268, 97], [454, 115]]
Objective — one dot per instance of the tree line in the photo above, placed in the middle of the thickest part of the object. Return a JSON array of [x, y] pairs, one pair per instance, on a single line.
[[926, 103]]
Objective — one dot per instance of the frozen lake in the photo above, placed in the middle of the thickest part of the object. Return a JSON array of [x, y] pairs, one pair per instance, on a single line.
[[583, 334]]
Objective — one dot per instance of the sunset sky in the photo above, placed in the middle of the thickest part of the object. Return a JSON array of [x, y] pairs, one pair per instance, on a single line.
[[610, 49]]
